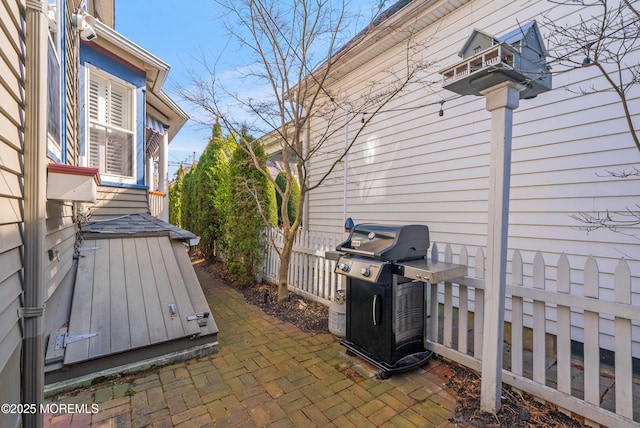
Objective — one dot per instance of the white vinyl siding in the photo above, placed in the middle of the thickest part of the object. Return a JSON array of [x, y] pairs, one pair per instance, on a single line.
[[414, 166], [11, 195], [111, 127]]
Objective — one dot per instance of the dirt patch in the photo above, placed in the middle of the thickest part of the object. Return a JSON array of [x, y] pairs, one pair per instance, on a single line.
[[308, 316], [517, 410]]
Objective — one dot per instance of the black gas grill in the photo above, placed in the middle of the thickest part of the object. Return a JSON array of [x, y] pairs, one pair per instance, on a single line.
[[385, 313]]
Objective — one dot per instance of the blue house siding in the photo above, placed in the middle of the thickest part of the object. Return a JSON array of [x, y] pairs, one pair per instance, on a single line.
[[119, 69]]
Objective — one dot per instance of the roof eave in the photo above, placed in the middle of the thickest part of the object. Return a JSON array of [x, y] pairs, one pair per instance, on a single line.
[[157, 71], [165, 109], [151, 61], [388, 30]]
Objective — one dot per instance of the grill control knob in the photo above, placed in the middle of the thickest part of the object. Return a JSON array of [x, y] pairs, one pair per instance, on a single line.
[[365, 272], [344, 267]]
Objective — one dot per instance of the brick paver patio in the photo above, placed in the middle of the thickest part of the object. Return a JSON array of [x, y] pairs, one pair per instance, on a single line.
[[266, 373]]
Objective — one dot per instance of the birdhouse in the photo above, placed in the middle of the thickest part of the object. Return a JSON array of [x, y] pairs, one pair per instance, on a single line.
[[518, 56]]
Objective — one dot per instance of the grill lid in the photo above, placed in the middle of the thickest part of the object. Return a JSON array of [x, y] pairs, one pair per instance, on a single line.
[[387, 242]]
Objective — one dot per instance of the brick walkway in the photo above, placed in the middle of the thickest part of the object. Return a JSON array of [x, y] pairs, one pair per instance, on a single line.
[[267, 373]]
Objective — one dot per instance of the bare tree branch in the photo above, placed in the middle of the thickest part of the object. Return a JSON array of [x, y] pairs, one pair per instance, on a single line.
[[608, 40], [294, 47]]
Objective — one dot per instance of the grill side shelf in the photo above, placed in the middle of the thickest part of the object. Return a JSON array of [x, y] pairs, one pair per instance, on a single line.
[[430, 271]]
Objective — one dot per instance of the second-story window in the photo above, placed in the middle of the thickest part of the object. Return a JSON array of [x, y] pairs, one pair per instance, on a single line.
[[111, 127]]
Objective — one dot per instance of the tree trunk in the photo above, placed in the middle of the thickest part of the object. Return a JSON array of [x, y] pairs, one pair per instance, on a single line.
[[283, 270]]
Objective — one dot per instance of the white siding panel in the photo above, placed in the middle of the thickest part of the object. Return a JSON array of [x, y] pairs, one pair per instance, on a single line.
[[10, 211], [11, 139], [9, 157], [10, 263], [9, 335], [411, 165], [9, 343], [60, 243], [9, 185], [9, 237]]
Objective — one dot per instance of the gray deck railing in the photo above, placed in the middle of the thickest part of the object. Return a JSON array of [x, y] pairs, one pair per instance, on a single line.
[[550, 309]]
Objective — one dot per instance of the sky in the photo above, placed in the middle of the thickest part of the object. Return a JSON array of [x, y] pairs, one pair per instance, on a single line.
[[179, 35]]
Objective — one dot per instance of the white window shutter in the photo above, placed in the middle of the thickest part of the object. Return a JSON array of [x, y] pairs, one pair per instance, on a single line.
[[118, 107], [111, 139], [98, 95]]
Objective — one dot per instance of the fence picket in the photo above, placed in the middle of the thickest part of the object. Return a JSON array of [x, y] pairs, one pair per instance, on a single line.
[[321, 265], [591, 336], [447, 338], [434, 252], [463, 307], [433, 299], [478, 319], [539, 319], [564, 327], [623, 357], [517, 344]]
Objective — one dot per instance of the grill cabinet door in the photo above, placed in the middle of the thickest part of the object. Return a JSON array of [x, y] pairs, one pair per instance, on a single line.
[[369, 310]]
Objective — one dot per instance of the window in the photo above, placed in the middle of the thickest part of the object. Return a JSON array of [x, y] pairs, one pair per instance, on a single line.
[[111, 127], [54, 107]]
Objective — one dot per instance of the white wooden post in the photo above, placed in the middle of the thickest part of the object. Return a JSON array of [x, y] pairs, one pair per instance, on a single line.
[[149, 172], [501, 100], [163, 174]]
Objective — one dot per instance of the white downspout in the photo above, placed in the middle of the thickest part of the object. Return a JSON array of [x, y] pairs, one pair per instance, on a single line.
[[35, 185], [346, 164], [307, 145]]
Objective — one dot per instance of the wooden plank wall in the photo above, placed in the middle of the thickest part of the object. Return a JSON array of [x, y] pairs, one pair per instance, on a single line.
[[115, 202], [12, 125]]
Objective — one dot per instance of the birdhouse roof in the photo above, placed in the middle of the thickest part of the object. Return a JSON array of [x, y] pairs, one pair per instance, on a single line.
[[479, 40], [528, 31]]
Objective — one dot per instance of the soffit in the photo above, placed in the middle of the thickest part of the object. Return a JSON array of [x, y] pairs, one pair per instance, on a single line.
[[409, 19]]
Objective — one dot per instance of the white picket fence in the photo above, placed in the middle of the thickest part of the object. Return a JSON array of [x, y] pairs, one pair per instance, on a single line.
[[310, 273], [544, 317]]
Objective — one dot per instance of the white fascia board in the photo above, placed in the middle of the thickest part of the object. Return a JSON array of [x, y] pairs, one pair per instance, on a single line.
[[165, 108], [150, 60], [180, 117]]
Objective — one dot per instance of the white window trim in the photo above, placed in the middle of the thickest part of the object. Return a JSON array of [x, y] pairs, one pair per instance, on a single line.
[[93, 70]]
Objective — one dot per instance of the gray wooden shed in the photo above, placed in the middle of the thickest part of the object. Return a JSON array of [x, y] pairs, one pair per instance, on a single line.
[[136, 299]]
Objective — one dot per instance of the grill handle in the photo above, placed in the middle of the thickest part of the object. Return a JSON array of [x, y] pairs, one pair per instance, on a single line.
[[357, 252], [376, 308]]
